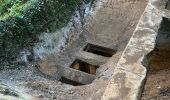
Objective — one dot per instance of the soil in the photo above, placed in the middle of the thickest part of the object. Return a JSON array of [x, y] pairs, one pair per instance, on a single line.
[[157, 86]]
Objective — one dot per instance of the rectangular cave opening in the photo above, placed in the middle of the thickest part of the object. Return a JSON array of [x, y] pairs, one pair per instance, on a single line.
[[103, 51], [68, 81], [84, 67]]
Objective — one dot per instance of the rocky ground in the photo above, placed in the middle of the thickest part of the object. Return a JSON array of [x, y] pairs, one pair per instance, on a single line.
[[157, 86], [110, 25]]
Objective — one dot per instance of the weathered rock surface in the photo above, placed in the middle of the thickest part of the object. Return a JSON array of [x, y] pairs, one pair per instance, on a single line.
[[130, 73], [127, 26], [6, 93]]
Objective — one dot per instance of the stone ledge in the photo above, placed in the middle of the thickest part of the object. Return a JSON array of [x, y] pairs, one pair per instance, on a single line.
[[129, 73], [76, 75], [124, 86], [166, 13], [131, 61], [91, 58]]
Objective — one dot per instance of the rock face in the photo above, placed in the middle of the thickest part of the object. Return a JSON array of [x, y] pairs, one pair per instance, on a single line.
[[131, 70], [127, 27], [111, 27], [51, 43], [157, 84]]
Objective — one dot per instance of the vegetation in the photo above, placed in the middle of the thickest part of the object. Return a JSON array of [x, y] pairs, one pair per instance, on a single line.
[[21, 21]]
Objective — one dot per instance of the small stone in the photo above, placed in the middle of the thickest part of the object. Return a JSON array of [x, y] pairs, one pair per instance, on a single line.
[[165, 97], [51, 92], [40, 96], [54, 97], [159, 87], [71, 92], [60, 83]]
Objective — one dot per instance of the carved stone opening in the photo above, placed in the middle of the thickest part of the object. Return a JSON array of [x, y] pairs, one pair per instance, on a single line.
[[84, 67], [103, 51], [68, 81]]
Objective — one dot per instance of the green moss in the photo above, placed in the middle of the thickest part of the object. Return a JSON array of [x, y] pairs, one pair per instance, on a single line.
[[26, 20], [11, 8], [21, 22]]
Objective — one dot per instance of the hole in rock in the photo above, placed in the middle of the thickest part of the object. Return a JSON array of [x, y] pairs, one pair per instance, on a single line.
[[85, 67], [103, 51], [68, 81]]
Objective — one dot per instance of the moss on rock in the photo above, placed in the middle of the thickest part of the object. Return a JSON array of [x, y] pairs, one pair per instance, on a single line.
[[21, 21]]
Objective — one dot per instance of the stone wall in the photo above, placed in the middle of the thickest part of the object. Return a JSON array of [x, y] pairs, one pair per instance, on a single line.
[[130, 71]]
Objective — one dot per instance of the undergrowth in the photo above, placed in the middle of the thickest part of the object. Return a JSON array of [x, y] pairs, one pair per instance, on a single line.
[[21, 21]]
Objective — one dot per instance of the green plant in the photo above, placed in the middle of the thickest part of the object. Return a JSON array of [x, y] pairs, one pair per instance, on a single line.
[[21, 22]]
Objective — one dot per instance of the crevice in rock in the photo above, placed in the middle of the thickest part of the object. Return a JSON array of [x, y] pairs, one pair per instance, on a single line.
[[68, 81]]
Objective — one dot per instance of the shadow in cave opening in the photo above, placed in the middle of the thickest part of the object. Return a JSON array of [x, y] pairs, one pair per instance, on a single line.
[[157, 83], [159, 58]]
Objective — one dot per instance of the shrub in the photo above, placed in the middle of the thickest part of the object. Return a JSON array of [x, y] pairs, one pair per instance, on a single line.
[[21, 21]]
